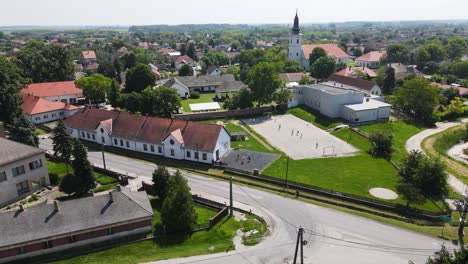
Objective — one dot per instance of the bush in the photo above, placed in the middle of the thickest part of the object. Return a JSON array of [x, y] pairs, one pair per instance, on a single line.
[[382, 144], [54, 179], [194, 95], [67, 185]]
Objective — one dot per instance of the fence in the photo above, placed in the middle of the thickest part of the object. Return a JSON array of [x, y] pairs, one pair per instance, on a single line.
[[230, 113]]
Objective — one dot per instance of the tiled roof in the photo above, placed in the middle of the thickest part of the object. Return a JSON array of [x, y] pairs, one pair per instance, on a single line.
[[462, 91], [211, 69], [350, 71], [150, 129], [184, 58], [292, 76], [330, 50], [354, 82], [32, 105], [88, 54], [92, 66], [371, 56], [225, 82], [50, 89], [75, 215], [11, 151]]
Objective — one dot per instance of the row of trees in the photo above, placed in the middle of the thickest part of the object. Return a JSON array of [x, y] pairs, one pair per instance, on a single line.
[[162, 101]]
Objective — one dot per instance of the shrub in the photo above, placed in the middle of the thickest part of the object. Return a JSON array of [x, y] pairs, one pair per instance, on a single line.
[[382, 144], [194, 95], [54, 179]]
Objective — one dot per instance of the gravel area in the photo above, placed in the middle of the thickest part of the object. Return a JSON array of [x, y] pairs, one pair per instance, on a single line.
[[247, 160]]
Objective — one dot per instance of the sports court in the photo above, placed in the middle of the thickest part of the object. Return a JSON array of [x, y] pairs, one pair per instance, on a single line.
[[298, 138]]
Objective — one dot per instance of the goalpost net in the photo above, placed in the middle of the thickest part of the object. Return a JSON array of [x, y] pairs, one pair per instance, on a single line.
[[328, 151]]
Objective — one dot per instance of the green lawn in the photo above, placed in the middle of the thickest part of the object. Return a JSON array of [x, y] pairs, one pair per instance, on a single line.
[[313, 116], [204, 98], [217, 239], [449, 138]]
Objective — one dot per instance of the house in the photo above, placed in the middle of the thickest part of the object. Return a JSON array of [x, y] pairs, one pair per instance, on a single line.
[[213, 70], [365, 86], [39, 110], [462, 91], [357, 72], [340, 102], [66, 226], [23, 171], [92, 67], [294, 78], [370, 59], [220, 84], [155, 70], [300, 53], [181, 60], [170, 138], [88, 57], [66, 91], [402, 70]]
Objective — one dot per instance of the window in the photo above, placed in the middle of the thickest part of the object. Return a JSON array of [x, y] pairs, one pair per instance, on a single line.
[[172, 152], [115, 141], [38, 118], [22, 187], [3, 176], [121, 142], [18, 171], [196, 155], [188, 154], [152, 148], [46, 116], [159, 149], [127, 143], [171, 142], [102, 130], [87, 135], [35, 164], [54, 115], [145, 147], [103, 140], [297, 54], [94, 137], [61, 113], [72, 239], [297, 41], [204, 156], [82, 134]]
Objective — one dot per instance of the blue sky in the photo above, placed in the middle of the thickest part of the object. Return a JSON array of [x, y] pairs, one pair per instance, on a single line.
[[144, 12]]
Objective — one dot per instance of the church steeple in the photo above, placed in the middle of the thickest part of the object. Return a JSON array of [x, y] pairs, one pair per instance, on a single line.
[[295, 29]]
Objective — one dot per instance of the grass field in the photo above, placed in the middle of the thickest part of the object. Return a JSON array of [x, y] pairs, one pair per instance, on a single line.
[[217, 239], [204, 98], [313, 116]]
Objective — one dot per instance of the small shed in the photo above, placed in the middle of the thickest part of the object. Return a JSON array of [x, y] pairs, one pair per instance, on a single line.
[[235, 136]]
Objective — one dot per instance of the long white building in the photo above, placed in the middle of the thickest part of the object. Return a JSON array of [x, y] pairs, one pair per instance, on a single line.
[[176, 139]]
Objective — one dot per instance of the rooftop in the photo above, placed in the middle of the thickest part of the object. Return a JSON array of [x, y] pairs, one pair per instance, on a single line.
[[329, 88], [12, 151], [88, 54], [32, 105], [330, 49], [367, 104], [352, 82], [371, 56], [205, 106], [50, 89]]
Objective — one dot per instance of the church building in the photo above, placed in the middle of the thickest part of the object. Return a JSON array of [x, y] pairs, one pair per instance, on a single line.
[[301, 53]]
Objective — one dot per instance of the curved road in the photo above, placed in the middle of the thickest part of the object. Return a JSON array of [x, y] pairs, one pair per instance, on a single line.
[[414, 143], [333, 236]]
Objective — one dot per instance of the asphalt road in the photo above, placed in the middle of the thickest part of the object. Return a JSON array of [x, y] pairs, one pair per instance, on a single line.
[[333, 236]]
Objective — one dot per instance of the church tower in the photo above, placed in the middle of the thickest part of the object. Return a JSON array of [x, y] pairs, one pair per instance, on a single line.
[[295, 42]]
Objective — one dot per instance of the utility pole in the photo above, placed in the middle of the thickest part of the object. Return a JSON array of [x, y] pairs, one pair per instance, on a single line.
[[231, 207], [103, 160], [287, 169], [462, 206], [300, 241]]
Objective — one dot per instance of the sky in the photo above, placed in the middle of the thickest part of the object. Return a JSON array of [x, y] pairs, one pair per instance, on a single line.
[[150, 12]]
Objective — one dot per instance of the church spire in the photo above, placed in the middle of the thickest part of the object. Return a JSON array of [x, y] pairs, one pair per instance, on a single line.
[[295, 29]]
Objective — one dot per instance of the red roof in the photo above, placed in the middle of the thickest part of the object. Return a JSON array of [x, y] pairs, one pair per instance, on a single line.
[[151, 129], [354, 82], [462, 91], [292, 76], [184, 58], [350, 71], [371, 56], [50, 89], [88, 54], [330, 50], [32, 105]]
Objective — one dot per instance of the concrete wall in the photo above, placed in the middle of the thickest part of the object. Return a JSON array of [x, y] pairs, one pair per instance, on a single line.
[[182, 90], [36, 179]]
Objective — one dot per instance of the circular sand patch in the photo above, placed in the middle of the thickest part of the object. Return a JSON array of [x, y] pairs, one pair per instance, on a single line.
[[383, 193]]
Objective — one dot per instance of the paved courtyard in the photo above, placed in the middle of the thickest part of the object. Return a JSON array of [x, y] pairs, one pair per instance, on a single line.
[[298, 138], [247, 160]]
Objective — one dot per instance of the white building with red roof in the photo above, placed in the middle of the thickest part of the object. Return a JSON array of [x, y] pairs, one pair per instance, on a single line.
[[39, 110], [170, 138], [301, 53], [65, 91], [88, 57], [370, 59]]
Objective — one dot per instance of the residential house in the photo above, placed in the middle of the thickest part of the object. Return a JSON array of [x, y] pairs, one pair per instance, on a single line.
[[66, 91], [224, 84], [64, 227], [23, 171], [182, 60], [213, 70], [462, 91], [39, 110], [402, 70], [88, 57], [365, 86], [170, 138], [370, 59], [294, 78], [357, 72]]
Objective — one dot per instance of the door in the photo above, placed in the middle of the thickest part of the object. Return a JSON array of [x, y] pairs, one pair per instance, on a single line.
[[217, 154]]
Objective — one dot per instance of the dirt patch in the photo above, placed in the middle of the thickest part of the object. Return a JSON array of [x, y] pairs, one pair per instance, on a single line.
[[383, 193]]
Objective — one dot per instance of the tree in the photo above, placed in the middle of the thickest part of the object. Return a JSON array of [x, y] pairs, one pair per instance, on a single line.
[[316, 54], [46, 63], [443, 256], [282, 96], [160, 182], [62, 143], [95, 87], [106, 68], [132, 102], [460, 69], [191, 52], [68, 184], [168, 101], [235, 45], [451, 93], [357, 52], [10, 84], [389, 81], [397, 53], [381, 144], [23, 131], [177, 212], [83, 171], [422, 57], [139, 77], [114, 94], [323, 67], [410, 193], [417, 98], [234, 70], [304, 80], [263, 81], [186, 70], [129, 60], [456, 47], [243, 99]]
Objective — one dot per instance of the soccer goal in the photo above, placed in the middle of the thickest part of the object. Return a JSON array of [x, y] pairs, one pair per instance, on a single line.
[[328, 151]]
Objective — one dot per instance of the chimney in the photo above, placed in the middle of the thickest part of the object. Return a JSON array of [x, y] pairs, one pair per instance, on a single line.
[[56, 205], [111, 198], [21, 207]]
